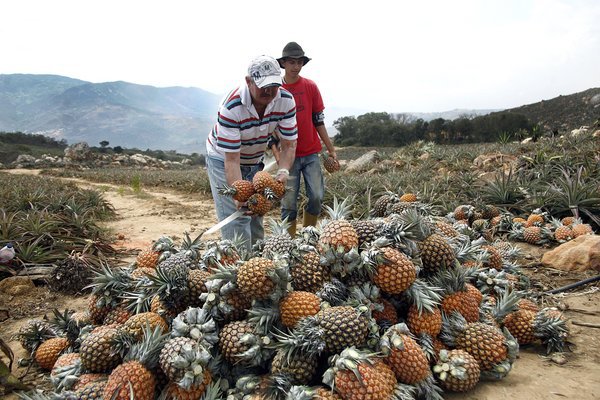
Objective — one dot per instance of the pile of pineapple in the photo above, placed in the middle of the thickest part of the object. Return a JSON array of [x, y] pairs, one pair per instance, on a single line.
[[401, 305]]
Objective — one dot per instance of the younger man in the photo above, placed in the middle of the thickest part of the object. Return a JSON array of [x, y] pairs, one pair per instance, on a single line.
[[311, 131]]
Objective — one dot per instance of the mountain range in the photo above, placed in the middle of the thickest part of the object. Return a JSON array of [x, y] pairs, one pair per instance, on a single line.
[[179, 118]]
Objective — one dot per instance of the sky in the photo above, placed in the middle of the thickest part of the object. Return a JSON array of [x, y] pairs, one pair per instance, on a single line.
[[367, 56]]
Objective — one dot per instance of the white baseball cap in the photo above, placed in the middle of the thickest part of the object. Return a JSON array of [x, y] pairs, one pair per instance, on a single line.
[[265, 71]]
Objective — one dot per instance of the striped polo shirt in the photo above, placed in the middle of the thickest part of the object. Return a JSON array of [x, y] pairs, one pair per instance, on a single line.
[[240, 129]]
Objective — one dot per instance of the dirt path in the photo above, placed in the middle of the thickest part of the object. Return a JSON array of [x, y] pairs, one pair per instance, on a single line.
[[144, 218]]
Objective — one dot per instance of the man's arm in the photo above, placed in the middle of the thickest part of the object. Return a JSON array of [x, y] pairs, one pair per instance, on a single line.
[[286, 157], [322, 131], [232, 167]]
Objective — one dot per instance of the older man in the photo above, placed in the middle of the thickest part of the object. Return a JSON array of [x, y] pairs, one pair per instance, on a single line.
[[248, 116]]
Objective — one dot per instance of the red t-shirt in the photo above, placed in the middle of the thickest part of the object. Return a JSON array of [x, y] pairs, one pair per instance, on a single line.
[[308, 101]]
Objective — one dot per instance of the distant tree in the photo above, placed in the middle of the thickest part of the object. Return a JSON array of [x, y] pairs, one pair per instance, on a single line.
[[118, 149]]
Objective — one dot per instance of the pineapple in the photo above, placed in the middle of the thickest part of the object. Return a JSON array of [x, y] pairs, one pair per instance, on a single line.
[[135, 324], [253, 278], [424, 321], [356, 375], [259, 204], [494, 352], [240, 190], [494, 258], [342, 326], [393, 272], [262, 180], [297, 305], [185, 362], [536, 218], [464, 212], [134, 378], [331, 330], [34, 332], [148, 258], [528, 326], [366, 231], [239, 344], [117, 315], [580, 229], [404, 355], [458, 294], [457, 370], [222, 252], [383, 202], [408, 197], [49, 350], [338, 242], [92, 390], [98, 352], [306, 270], [280, 241], [331, 164], [387, 315], [300, 368], [445, 229]]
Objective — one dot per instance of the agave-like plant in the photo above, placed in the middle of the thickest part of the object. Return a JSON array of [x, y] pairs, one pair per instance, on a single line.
[[571, 192]]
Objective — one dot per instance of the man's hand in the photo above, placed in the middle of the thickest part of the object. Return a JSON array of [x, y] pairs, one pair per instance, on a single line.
[[282, 175]]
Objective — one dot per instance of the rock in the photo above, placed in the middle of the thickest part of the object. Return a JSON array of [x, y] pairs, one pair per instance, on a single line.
[[579, 254], [495, 162], [10, 284], [78, 152], [25, 159], [577, 132], [363, 162]]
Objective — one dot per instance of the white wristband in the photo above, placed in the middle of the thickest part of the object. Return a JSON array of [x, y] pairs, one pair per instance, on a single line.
[[283, 171]]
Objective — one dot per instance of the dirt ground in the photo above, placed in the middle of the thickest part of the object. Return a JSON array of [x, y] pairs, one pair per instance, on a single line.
[[141, 219]]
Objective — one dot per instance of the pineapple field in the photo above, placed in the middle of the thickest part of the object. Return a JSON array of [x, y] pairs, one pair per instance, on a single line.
[[423, 280]]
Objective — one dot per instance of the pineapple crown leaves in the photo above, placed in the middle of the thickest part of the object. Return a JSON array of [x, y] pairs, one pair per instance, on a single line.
[[65, 377], [192, 360], [38, 394], [197, 324], [34, 333], [404, 391], [190, 247], [450, 366], [551, 329], [301, 392], [306, 339], [506, 303], [148, 349], [264, 316], [63, 323], [499, 371], [168, 282], [340, 210], [277, 386], [453, 325], [138, 300], [348, 360], [279, 227], [310, 234], [465, 249], [492, 281], [334, 292], [259, 350], [392, 338], [109, 282], [163, 243], [426, 342], [424, 296], [451, 280], [512, 346], [427, 389]]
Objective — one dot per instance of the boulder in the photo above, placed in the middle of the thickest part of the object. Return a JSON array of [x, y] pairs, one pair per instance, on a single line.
[[579, 254], [78, 152], [495, 162], [363, 162]]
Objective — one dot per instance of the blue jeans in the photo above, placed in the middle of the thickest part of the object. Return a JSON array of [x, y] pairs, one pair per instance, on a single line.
[[249, 228], [309, 167]]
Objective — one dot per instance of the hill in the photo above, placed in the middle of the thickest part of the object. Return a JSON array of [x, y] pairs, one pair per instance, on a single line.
[[122, 113], [564, 113]]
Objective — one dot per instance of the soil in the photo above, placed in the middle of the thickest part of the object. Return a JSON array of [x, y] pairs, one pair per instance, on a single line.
[[143, 218]]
